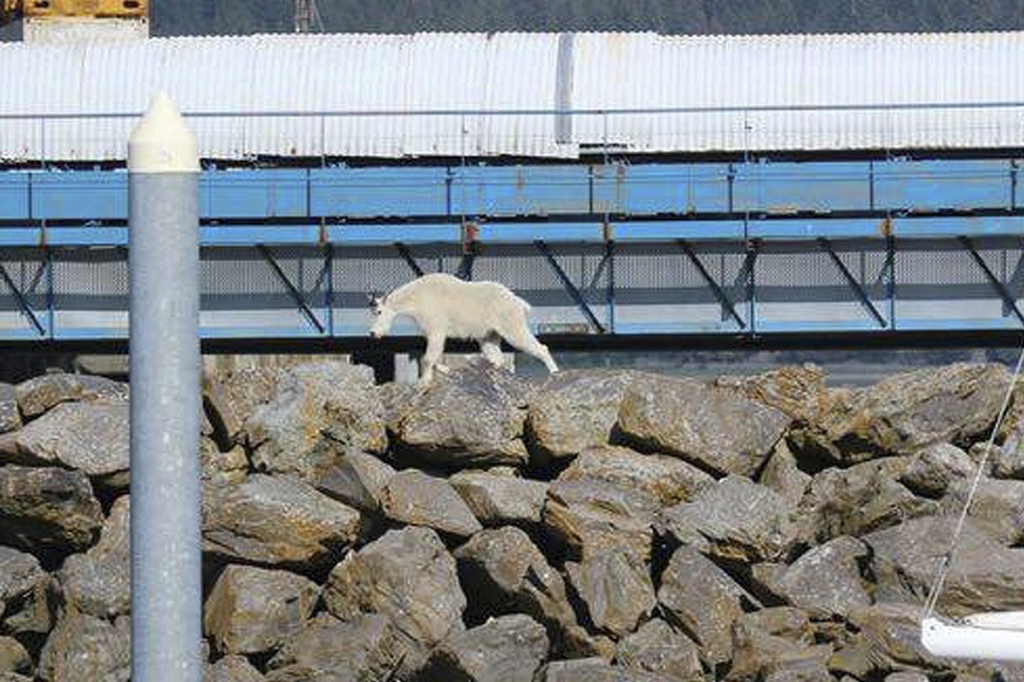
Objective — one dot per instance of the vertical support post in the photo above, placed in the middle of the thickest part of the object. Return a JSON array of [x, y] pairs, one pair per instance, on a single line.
[[163, 267]]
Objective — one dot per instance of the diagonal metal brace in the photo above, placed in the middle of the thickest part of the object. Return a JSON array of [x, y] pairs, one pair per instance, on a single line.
[[574, 293], [997, 283], [852, 282], [22, 303], [295, 294], [723, 300], [403, 251]]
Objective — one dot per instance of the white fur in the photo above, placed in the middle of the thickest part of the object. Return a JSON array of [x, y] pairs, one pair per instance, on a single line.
[[444, 306]]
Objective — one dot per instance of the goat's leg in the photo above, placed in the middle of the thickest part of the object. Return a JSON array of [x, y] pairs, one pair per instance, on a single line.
[[521, 339], [490, 346], [435, 347]]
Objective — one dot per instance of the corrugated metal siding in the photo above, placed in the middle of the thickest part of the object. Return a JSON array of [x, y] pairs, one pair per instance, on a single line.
[[796, 77]]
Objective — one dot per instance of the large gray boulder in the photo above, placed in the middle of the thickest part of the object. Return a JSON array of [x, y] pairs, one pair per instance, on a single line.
[[658, 648], [84, 648], [91, 437], [219, 467], [232, 669], [506, 573], [279, 522], [19, 574], [955, 403], [357, 479], [98, 582], [888, 639], [669, 479], [47, 509], [983, 575], [366, 647], [412, 497], [498, 500], [718, 429], [615, 588], [782, 474], [997, 507], [704, 600], [861, 499], [39, 394], [797, 390], [773, 639], [736, 520], [575, 411], [826, 580], [588, 516], [595, 670], [252, 610], [316, 411], [10, 415], [232, 395], [13, 657], [409, 576], [471, 416], [932, 469], [504, 649]]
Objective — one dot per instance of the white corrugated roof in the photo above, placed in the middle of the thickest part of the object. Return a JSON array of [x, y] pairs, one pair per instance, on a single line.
[[786, 92]]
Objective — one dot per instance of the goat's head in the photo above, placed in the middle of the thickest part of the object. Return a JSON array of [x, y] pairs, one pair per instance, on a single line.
[[383, 315]]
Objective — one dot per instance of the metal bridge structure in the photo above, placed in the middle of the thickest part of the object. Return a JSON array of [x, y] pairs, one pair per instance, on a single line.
[[611, 248]]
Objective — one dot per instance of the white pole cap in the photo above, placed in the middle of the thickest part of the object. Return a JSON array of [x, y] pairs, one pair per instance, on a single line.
[[161, 142]]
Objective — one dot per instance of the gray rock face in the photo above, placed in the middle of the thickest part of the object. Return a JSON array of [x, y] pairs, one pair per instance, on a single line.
[[997, 507], [19, 574], [251, 610], [575, 411], [594, 670], [736, 520], [506, 573], [782, 474], [38, 394], [905, 412], [47, 509], [589, 516], [934, 468], [472, 416], [615, 586], [220, 468], [505, 649], [409, 576], [656, 648], [277, 521], [316, 409], [91, 437], [668, 479], [329, 650], [498, 500], [717, 429], [774, 639], [415, 498], [85, 648], [889, 639], [232, 669], [357, 479], [983, 576], [1008, 460], [864, 498], [231, 396], [826, 580], [13, 657], [797, 390], [98, 583], [10, 416], [704, 600]]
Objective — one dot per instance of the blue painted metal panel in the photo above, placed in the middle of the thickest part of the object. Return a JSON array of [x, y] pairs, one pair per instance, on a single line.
[[959, 225], [378, 192], [520, 190], [14, 196], [391, 234], [518, 233], [650, 189], [918, 186], [80, 195], [266, 193], [821, 187], [800, 228], [695, 230]]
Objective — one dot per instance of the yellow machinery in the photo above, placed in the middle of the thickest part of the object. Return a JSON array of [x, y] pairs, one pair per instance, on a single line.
[[70, 9]]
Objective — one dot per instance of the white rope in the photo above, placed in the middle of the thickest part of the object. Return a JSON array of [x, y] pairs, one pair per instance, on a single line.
[[947, 559]]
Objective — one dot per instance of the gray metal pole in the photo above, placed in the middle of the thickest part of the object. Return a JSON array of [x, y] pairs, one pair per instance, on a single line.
[[163, 217]]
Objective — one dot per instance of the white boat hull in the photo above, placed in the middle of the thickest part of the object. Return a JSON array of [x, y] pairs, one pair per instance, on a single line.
[[972, 641]]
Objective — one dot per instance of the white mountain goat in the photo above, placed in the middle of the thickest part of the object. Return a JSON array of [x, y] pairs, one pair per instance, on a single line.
[[444, 306]]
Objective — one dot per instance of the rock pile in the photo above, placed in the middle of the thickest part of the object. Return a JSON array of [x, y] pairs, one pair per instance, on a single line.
[[600, 526]]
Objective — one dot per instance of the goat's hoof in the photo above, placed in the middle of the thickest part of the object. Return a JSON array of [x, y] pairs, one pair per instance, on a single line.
[[443, 369]]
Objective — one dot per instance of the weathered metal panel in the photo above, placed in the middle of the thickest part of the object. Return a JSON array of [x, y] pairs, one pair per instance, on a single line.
[[920, 186], [646, 189], [83, 195], [520, 190], [378, 192], [821, 187], [267, 193], [14, 196]]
